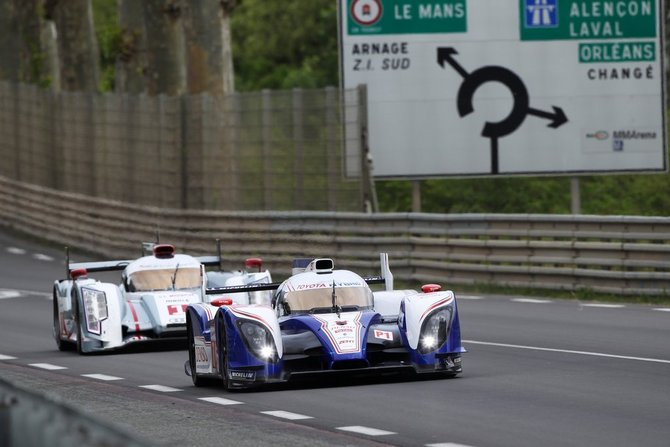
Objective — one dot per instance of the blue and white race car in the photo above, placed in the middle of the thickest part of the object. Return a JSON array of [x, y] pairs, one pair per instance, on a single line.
[[148, 304], [323, 320]]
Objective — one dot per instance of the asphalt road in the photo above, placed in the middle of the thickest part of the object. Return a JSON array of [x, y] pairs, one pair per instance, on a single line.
[[538, 372]]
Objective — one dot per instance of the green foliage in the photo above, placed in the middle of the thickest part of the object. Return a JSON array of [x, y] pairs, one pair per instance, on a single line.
[[281, 45], [108, 33], [636, 195]]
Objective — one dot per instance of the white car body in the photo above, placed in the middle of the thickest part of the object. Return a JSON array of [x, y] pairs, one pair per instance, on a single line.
[[148, 304]]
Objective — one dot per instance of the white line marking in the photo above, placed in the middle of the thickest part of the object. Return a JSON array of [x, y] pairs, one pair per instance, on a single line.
[[287, 415], [48, 366], [102, 377], [11, 293], [568, 351], [6, 357], [366, 430], [447, 444], [5, 294], [662, 309], [16, 251], [530, 300], [220, 400], [161, 388], [604, 306], [42, 257], [469, 297]]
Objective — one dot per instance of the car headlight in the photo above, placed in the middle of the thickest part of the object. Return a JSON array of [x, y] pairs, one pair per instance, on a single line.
[[258, 339], [95, 309], [434, 330]]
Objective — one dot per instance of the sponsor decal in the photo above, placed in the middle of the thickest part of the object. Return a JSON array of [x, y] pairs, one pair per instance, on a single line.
[[619, 137], [311, 286], [384, 335], [344, 335], [248, 376], [201, 354], [598, 135], [174, 309], [323, 285], [633, 135]]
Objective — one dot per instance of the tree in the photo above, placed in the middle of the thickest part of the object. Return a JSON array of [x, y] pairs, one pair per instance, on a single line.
[[9, 24], [21, 48], [130, 69], [77, 46], [285, 44], [166, 67], [208, 54]]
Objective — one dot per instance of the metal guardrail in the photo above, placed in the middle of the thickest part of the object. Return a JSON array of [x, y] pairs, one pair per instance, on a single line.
[[611, 254], [31, 420]]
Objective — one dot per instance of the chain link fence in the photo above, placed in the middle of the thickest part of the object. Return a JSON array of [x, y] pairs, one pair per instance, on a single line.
[[269, 150]]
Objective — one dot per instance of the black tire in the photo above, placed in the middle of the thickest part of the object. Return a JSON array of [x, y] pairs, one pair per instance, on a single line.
[[197, 381], [223, 355], [60, 343]]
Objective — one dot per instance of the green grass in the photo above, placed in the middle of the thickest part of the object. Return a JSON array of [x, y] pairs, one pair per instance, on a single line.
[[579, 295]]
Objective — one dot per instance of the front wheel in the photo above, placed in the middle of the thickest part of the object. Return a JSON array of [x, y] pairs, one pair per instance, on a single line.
[[78, 322], [197, 381], [223, 355], [60, 343]]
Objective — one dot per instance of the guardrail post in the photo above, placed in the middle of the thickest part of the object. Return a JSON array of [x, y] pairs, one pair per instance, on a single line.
[[6, 403], [575, 196], [268, 202], [369, 193]]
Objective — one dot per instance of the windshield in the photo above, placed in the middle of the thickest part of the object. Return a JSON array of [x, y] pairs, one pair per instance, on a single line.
[[322, 299], [161, 279]]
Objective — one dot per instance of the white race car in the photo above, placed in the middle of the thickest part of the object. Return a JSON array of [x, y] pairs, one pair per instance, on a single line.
[[148, 304]]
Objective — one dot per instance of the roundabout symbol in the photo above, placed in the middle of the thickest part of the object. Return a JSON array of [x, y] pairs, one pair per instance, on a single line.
[[520, 109]]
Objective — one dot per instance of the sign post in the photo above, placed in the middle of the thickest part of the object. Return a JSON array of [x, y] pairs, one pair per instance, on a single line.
[[508, 87]]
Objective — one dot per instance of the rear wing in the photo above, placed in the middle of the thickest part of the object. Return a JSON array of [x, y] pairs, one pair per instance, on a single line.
[[207, 261], [243, 288], [110, 266], [385, 278], [95, 266]]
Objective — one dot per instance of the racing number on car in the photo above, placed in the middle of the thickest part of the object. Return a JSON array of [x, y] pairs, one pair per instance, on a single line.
[[174, 309]]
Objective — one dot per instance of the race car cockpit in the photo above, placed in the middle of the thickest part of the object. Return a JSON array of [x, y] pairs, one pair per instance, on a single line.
[[325, 299], [164, 279]]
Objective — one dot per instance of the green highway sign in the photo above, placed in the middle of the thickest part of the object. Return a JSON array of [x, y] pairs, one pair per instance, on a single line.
[[377, 17], [588, 19]]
